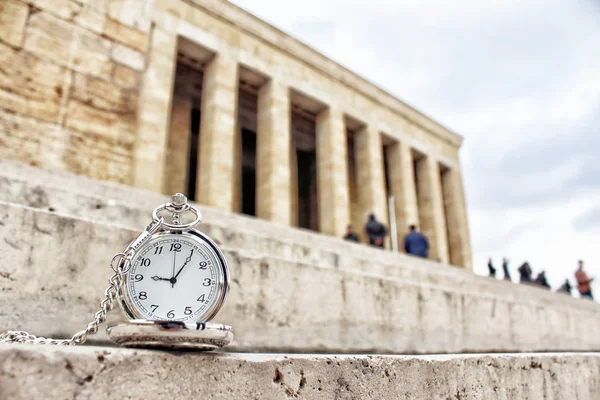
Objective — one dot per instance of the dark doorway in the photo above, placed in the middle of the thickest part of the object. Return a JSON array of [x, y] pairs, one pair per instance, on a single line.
[[248, 172], [307, 190], [193, 155]]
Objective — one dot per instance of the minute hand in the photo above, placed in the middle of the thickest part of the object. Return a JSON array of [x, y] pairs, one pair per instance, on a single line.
[[187, 260]]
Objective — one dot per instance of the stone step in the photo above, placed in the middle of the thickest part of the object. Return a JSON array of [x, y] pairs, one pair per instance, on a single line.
[[104, 201], [53, 271], [45, 372]]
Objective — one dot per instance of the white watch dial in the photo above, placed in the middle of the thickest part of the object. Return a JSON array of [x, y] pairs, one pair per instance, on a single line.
[[175, 277]]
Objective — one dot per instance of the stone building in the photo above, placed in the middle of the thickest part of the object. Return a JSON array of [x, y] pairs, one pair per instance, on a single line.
[[201, 97]]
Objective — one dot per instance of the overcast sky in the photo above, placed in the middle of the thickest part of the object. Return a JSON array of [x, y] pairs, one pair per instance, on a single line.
[[520, 80]]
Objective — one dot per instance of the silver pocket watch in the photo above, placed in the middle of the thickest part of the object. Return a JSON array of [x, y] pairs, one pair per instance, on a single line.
[[170, 282]]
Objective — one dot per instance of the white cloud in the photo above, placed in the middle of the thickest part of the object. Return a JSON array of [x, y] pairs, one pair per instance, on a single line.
[[518, 79]]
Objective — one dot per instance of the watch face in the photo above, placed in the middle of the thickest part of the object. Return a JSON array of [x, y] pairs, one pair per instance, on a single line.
[[176, 277]]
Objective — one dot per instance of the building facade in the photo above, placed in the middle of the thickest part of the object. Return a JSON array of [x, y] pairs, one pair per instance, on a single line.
[[201, 97]]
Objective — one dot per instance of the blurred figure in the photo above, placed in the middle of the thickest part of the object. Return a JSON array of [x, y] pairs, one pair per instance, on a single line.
[[565, 288], [525, 273], [541, 280], [505, 269], [491, 269], [350, 235], [583, 282], [376, 231], [416, 243]]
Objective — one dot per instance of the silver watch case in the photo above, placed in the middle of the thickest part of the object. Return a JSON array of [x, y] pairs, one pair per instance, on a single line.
[[170, 334], [134, 331]]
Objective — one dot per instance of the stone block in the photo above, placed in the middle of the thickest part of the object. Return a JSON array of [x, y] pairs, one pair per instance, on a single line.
[[126, 56], [42, 149], [30, 85], [65, 9], [13, 18], [85, 117], [126, 77], [66, 44], [126, 35], [28, 372], [101, 157], [91, 18], [50, 37], [104, 95], [134, 13], [54, 268]]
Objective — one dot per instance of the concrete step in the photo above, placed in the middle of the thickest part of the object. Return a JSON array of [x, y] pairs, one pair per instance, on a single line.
[[104, 201], [44, 372], [53, 270]]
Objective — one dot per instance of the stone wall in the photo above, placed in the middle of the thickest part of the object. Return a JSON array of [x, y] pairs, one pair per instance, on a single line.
[[70, 77]]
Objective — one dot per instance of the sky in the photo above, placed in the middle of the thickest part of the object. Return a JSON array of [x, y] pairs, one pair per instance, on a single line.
[[519, 80]]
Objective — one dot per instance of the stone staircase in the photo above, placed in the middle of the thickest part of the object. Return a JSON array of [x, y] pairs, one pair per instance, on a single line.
[[293, 291], [29, 372]]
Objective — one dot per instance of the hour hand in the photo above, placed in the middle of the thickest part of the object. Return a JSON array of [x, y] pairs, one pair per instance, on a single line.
[[158, 278]]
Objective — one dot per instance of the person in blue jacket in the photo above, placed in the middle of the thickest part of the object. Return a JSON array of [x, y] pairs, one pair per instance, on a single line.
[[416, 243]]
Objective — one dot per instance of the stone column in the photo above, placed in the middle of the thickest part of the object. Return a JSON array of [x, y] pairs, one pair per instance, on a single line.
[[456, 219], [332, 172], [369, 175], [154, 111], [431, 208], [218, 131], [403, 188], [273, 153], [176, 169]]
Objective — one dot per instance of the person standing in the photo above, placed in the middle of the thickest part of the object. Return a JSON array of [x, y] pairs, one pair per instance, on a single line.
[[526, 273], [375, 231], [542, 280], [491, 269], [415, 243], [565, 288], [505, 268], [583, 282], [350, 235]]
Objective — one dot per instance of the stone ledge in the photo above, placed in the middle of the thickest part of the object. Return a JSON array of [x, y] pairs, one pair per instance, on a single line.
[[30, 371], [110, 202], [53, 271]]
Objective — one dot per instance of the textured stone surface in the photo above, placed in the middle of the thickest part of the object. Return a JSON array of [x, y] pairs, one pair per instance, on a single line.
[[432, 221], [154, 112], [456, 218], [127, 56], [126, 35], [28, 371], [30, 86], [217, 133], [13, 17], [332, 175], [273, 172], [104, 201], [370, 179], [402, 187], [54, 268]]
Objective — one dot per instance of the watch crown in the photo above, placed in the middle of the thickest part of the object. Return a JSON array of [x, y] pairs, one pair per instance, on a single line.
[[178, 200]]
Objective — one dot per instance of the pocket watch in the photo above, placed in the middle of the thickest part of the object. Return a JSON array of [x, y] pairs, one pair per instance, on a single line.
[[170, 282]]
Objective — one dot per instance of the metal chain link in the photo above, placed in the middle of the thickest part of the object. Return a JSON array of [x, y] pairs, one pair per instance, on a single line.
[[120, 264]]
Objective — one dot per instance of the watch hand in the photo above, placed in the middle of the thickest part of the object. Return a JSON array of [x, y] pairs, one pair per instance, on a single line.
[[173, 274], [187, 260], [158, 278]]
